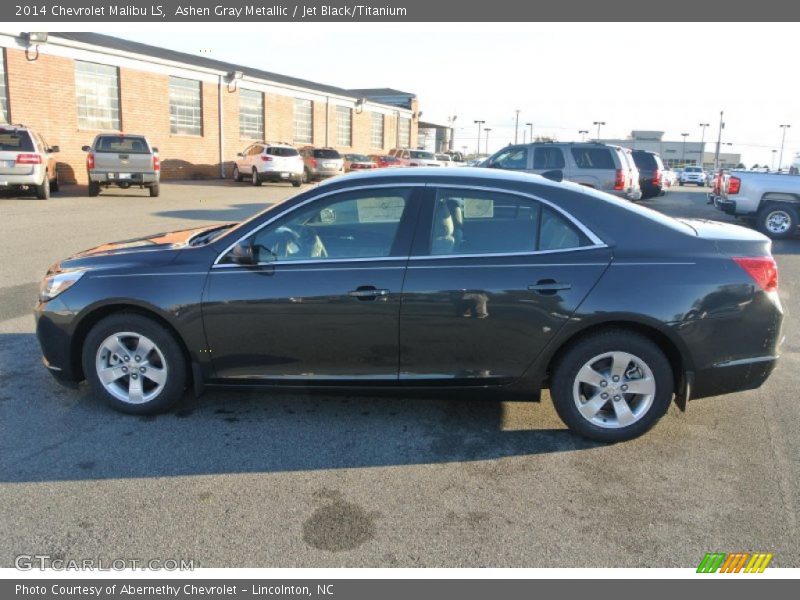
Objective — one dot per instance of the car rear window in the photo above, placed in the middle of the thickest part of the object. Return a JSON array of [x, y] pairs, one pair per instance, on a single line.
[[326, 153], [122, 143], [282, 151], [12, 140], [645, 161], [593, 158]]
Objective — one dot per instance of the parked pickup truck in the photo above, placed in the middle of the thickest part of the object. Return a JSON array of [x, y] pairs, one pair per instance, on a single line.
[[771, 199], [122, 160]]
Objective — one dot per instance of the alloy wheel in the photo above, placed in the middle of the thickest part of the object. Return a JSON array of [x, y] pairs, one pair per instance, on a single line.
[[131, 367], [778, 221], [614, 390]]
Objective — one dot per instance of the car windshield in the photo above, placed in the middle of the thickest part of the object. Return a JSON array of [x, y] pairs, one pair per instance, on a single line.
[[122, 143], [12, 140], [326, 153], [282, 151], [389, 159], [422, 154]]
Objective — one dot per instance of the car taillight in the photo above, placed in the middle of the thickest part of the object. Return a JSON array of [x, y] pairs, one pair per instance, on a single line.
[[29, 159], [266, 158], [313, 162], [734, 185], [762, 269], [90, 161], [619, 180], [657, 177], [156, 163]]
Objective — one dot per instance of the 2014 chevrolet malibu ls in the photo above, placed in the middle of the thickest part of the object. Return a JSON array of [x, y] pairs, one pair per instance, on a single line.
[[463, 279]]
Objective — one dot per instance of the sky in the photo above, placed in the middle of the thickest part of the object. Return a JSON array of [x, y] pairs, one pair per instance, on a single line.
[[561, 77]]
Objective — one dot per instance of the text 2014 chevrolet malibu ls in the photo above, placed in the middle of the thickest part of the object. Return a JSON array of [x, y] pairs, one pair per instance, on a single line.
[[468, 279]]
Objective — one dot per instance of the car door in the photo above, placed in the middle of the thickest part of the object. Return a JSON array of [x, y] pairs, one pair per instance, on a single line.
[[323, 302], [492, 278]]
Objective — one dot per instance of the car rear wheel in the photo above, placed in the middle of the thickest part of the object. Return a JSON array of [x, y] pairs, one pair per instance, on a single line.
[[296, 182], [256, 180], [777, 221], [155, 190], [306, 176], [134, 364], [94, 189], [54, 183], [43, 190], [612, 386], [236, 176]]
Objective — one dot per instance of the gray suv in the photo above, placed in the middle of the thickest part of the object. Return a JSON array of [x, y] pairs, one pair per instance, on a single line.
[[319, 163], [26, 162], [601, 166]]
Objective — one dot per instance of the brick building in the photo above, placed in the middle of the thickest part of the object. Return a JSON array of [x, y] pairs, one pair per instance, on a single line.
[[199, 112]]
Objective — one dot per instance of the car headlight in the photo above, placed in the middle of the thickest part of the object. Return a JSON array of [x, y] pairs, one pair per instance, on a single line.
[[56, 283]]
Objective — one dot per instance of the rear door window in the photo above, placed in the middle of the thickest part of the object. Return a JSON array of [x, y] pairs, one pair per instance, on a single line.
[[593, 158], [548, 158]]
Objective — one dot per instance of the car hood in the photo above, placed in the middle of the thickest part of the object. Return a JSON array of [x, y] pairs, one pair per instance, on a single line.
[[159, 248]]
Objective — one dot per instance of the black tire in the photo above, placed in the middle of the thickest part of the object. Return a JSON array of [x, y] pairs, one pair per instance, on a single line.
[[296, 182], [306, 176], [54, 187], [256, 180], [582, 352], [43, 190], [155, 190], [785, 212], [94, 189], [175, 363], [236, 176]]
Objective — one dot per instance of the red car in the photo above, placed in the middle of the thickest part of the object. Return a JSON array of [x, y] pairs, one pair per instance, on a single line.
[[383, 161]]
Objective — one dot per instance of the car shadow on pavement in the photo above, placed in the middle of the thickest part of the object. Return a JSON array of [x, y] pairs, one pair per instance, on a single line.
[[233, 212], [51, 433]]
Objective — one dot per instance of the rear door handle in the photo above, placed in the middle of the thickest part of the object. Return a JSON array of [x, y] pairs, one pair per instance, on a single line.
[[549, 287], [368, 292]]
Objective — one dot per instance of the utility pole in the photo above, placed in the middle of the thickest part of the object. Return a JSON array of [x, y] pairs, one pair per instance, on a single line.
[[599, 124], [719, 141], [772, 165], [703, 145], [487, 130], [478, 145], [683, 152], [583, 133], [516, 127], [531, 126], [783, 140]]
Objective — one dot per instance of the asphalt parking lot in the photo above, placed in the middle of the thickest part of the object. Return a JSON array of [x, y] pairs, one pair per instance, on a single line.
[[258, 479]]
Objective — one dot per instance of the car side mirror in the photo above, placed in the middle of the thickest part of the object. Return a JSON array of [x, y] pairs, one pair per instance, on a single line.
[[240, 154], [554, 175], [86, 148], [53, 149]]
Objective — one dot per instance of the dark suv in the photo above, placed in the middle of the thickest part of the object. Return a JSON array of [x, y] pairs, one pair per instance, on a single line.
[[651, 173]]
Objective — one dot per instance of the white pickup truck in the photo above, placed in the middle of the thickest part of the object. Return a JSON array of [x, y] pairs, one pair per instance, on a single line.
[[772, 200]]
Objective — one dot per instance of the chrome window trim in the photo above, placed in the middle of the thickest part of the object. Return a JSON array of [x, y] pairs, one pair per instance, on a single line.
[[597, 243]]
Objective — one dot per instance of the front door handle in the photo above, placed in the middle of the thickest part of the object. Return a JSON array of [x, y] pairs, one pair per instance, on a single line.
[[548, 287], [368, 292]]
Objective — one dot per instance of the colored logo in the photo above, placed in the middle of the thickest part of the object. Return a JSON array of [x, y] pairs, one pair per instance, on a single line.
[[740, 562]]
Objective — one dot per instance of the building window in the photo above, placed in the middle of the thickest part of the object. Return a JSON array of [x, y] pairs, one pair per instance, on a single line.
[[251, 114], [97, 96], [4, 118], [344, 126], [403, 132], [303, 121], [185, 107], [376, 134]]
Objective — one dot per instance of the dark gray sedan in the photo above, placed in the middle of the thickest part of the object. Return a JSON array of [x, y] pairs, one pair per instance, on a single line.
[[460, 280]]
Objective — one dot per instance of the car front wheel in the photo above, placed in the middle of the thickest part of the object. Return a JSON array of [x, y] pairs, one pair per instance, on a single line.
[[612, 386], [256, 180], [134, 364]]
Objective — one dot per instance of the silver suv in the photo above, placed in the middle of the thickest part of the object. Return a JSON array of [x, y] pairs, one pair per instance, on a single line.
[[601, 166], [320, 163], [26, 162], [269, 161]]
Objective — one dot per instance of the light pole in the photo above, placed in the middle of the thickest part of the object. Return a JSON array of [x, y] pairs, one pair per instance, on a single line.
[[783, 140], [772, 165], [487, 130], [719, 141], [583, 133], [516, 127], [703, 145], [531, 128], [599, 124], [683, 152], [478, 145]]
